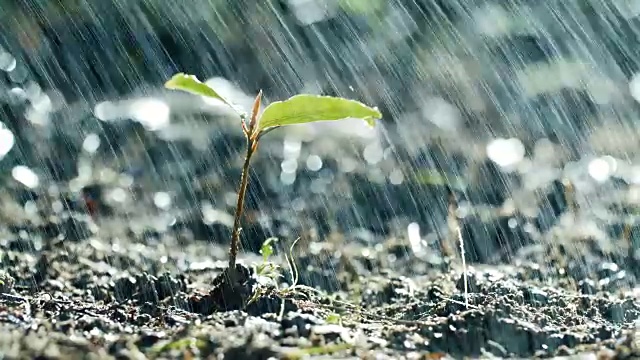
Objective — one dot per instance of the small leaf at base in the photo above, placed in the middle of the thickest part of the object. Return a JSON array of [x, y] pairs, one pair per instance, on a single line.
[[305, 108], [266, 250]]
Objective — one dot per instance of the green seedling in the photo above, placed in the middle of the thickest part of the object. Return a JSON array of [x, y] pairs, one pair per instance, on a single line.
[[269, 272], [455, 230], [299, 109]]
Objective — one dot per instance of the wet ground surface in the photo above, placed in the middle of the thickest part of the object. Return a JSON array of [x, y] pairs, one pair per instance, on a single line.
[[129, 266]]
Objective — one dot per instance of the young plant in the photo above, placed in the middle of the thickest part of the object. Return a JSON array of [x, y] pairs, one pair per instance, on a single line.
[[269, 273], [455, 230], [299, 109]]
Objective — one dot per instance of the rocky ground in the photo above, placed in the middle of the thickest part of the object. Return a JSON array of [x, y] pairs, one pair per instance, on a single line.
[[127, 264]]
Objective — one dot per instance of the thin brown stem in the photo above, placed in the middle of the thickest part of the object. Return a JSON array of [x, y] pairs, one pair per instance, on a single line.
[[242, 191]]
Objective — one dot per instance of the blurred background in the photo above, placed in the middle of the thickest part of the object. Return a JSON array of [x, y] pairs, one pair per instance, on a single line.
[[495, 99]]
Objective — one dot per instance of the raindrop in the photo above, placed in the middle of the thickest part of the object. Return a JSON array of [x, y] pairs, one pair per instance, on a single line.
[[601, 169], [57, 207], [30, 207], [314, 163], [25, 176], [288, 178], [308, 12], [289, 166], [162, 200], [7, 140], [91, 143], [118, 195], [506, 152], [105, 111], [230, 198], [7, 62], [396, 177], [413, 233], [634, 87], [37, 117], [373, 153], [125, 180], [151, 113], [42, 103], [291, 148]]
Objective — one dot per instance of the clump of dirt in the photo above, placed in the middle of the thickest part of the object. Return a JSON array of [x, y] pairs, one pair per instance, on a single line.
[[225, 295]]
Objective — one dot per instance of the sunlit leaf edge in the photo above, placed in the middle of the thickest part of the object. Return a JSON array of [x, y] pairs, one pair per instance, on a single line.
[[191, 84], [278, 113]]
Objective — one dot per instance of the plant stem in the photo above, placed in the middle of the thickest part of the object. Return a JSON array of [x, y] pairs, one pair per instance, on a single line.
[[242, 191], [456, 230]]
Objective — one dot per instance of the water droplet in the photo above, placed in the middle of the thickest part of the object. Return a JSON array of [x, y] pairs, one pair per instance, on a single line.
[[396, 177], [162, 200], [105, 111], [7, 62], [289, 166], [288, 178], [413, 233], [314, 163], [506, 152], [91, 143], [7, 141], [600, 169], [118, 195], [25, 176], [151, 113], [291, 148], [373, 153]]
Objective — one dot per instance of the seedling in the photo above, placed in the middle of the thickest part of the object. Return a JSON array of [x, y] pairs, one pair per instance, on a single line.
[[456, 230], [269, 272], [299, 109]]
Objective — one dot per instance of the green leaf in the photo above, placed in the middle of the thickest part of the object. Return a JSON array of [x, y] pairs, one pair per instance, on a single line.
[[433, 177], [267, 249], [305, 108], [191, 84]]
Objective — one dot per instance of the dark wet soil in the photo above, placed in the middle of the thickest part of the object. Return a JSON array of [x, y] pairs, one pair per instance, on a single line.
[[100, 270]]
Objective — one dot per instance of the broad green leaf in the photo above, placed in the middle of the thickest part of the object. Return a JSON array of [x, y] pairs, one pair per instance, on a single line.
[[305, 108], [191, 84]]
